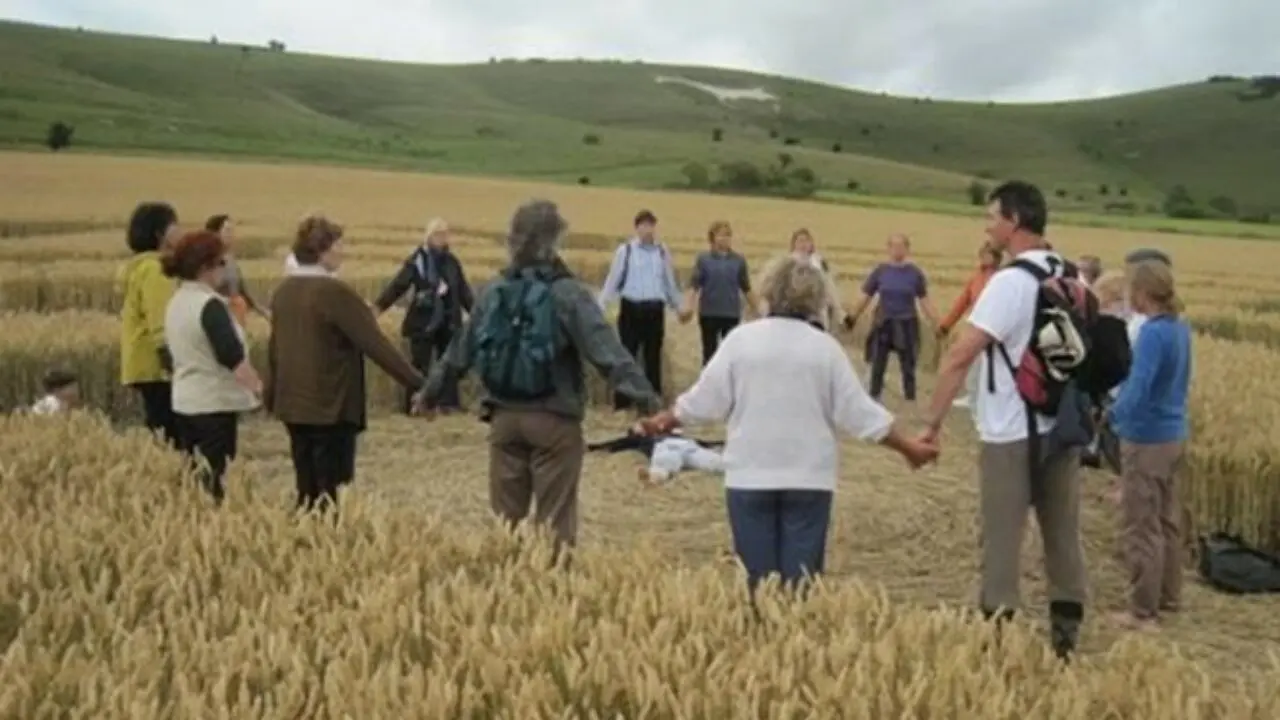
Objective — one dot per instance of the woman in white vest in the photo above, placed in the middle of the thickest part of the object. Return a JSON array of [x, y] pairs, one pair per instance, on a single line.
[[213, 381]]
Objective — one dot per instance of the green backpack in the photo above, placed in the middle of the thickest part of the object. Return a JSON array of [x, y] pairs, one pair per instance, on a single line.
[[516, 337]]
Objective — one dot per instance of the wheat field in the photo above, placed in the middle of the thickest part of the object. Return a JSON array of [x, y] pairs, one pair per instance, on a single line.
[[124, 595]]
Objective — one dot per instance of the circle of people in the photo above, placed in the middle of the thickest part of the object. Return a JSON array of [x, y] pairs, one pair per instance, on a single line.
[[1056, 361]]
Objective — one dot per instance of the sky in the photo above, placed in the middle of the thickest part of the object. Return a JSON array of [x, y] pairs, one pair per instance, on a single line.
[[1002, 50]]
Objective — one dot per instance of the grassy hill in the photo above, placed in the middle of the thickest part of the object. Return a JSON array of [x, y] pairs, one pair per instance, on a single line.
[[533, 119]]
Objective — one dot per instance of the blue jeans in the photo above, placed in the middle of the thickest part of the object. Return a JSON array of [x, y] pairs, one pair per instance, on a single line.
[[780, 531]]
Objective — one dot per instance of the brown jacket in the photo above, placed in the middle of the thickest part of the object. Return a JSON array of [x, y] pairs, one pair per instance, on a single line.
[[321, 331]]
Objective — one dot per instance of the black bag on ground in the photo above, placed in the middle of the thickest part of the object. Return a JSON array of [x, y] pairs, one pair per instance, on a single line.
[[1228, 564]]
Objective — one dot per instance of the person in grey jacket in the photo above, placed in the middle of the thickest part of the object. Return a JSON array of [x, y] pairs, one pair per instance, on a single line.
[[536, 447]]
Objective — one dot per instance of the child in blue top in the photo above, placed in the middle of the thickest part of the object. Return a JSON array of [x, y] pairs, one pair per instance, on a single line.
[[1150, 416]]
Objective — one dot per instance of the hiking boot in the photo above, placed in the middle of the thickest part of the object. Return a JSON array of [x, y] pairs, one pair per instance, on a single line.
[[1001, 618], [1065, 619]]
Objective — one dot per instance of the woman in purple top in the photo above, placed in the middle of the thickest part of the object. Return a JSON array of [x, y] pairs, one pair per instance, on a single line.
[[900, 284]]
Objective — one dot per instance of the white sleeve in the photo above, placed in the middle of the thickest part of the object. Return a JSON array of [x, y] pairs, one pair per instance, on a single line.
[[711, 397], [853, 411], [996, 310]]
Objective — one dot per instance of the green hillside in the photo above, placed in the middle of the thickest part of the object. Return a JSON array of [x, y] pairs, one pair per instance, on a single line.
[[530, 119]]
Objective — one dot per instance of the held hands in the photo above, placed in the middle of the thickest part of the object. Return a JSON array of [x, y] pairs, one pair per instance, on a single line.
[[685, 315], [663, 422], [919, 452], [419, 406]]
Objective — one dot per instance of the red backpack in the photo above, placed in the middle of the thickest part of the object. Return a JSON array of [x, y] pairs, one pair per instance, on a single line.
[[1066, 312]]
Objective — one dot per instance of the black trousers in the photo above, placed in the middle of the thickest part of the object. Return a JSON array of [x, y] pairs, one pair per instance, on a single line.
[[157, 409], [324, 459], [213, 437], [641, 327], [713, 331], [425, 351]]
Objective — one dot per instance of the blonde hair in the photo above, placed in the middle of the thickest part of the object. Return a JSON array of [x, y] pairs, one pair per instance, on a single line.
[[1153, 280], [434, 226], [793, 287], [1110, 287]]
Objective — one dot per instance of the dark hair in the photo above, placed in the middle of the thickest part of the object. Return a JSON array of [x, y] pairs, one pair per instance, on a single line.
[[316, 234], [216, 222], [645, 216], [1023, 203], [55, 380], [1145, 254], [194, 253], [148, 224], [535, 233]]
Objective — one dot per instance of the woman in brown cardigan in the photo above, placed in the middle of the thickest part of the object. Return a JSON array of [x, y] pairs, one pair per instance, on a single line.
[[315, 385]]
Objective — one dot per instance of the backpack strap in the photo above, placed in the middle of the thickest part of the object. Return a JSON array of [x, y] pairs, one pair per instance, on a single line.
[[626, 266]]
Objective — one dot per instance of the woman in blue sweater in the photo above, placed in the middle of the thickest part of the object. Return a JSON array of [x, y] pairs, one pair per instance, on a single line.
[[1150, 416]]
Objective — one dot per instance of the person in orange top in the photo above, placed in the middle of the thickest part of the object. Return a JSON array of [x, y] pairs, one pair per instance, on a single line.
[[988, 263]]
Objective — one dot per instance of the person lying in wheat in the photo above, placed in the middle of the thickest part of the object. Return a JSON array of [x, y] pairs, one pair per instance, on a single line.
[[667, 453]]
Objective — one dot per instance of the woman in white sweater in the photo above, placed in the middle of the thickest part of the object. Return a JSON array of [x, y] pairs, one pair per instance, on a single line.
[[786, 391]]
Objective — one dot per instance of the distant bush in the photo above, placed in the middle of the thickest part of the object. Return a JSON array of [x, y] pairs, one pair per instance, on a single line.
[[59, 136], [740, 175], [275, 46], [1060, 193], [1104, 190], [584, 180], [773, 134], [785, 160], [1224, 78], [1256, 217], [852, 186], [977, 193], [590, 139], [866, 131], [696, 176], [483, 131], [1121, 206], [717, 135], [937, 147], [837, 147], [791, 141], [1224, 206], [1122, 191], [1262, 87], [213, 39], [1179, 203]]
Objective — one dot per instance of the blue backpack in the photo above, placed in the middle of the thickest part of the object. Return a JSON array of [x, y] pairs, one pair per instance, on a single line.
[[517, 336]]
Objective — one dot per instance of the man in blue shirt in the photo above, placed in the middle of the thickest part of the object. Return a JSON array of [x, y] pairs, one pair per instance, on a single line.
[[643, 279]]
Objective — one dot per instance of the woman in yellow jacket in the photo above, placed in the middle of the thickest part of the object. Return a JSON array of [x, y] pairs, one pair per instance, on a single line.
[[144, 359]]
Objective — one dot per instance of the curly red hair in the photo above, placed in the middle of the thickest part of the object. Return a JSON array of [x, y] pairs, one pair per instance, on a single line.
[[192, 254]]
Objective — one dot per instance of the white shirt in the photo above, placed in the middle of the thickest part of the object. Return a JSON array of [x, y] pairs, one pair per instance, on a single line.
[[290, 264], [47, 405], [785, 390], [1006, 312], [1133, 325]]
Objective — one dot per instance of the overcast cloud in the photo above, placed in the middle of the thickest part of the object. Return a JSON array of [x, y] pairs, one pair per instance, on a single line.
[[1017, 50]]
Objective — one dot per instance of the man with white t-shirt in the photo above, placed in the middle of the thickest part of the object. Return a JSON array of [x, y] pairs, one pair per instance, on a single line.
[[1004, 314]]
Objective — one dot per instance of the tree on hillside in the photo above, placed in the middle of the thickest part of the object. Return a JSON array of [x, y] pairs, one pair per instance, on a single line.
[[1179, 203], [785, 160], [837, 147], [717, 134], [977, 193], [696, 176], [590, 139], [59, 136], [275, 46]]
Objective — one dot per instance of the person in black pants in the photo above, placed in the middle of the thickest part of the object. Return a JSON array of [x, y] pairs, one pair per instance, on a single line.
[[213, 381], [643, 279], [439, 295], [720, 279]]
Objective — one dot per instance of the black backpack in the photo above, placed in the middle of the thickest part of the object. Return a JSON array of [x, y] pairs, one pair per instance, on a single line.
[[1228, 564]]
